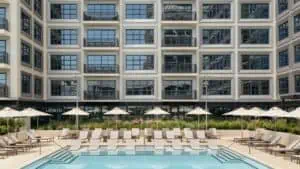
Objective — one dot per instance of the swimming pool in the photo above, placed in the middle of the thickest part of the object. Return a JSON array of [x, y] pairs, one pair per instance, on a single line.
[[147, 158]]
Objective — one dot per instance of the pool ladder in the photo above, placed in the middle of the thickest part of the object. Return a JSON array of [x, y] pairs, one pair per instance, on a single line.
[[63, 156], [223, 155]]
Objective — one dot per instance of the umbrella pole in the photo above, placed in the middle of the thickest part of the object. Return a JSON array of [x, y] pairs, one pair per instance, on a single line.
[[198, 121], [77, 122], [117, 122], [37, 123], [7, 121]]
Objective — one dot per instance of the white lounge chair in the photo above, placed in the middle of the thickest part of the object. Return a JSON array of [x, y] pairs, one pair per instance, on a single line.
[[135, 133], [188, 135], [195, 145], [212, 133], [159, 145], [200, 135], [94, 145], [65, 133], [75, 145], [96, 134], [170, 135], [83, 136], [177, 144], [127, 138], [112, 142], [177, 132], [289, 148]]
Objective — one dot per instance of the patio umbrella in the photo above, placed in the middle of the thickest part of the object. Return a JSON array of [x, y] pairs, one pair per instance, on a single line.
[[198, 111], [275, 112], [8, 113], [30, 112], [116, 112], [294, 114], [156, 112], [76, 112]]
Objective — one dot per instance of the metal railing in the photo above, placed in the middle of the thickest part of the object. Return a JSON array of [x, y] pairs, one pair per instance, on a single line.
[[101, 42], [179, 15], [179, 95], [101, 95], [101, 68], [100, 16], [4, 23], [179, 41], [4, 57], [179, 68]]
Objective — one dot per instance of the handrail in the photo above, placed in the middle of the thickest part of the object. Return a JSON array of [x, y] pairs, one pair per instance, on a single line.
[[58, 145]]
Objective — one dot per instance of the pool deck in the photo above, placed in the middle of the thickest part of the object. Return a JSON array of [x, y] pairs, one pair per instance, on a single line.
[[17, 162]]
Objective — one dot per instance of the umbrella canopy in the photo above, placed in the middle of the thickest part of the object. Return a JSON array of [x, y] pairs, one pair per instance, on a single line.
[[238, 112], [295, 113], [116, 111], [156, 111], [8, 112], [30, 112], [198, 111], [76, 112], [274, 112]]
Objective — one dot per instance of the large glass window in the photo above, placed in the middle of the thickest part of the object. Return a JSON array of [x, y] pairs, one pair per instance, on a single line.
[[178, 87], [25, 84], [64, 37], [216, 36], [3, 19], [255, 36], [3, 79], [216, 11], [26, 53], [139, 62], [139, 87], [255, 87], [3, 53], [100, 86], [64, 11], [282, 5], [283, 58], [38, 86], [25, 23], [217, 87], [102, 11], [139, 36], [283, 30], [139, 11], [178, 37], [297, 53], [283, 85], [255, 62], [178, 64], [297, 23], [297, 83], [101, 37], [101, 59], [38, 7], [216, 62], [63, 62], [64, 88], [255, 11], [38, 59], [38, 32], [178, 12]]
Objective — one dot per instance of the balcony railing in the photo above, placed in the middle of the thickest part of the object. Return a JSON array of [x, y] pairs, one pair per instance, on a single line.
[[100, 16], [101, 42], [101, 68], [101, 95], [179, 41], [179, 15], [3, 91], [4, 23], [179, 95], [179, 68], [4, 57]]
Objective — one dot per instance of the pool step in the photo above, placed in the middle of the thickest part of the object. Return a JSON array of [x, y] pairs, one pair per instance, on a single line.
[[224, 155], [63, 156]]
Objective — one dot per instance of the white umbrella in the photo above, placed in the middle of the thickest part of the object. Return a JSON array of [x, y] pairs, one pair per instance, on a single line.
[[294, 114], [156, 112], [198, 111], [116, 112], [76, 112], [30, 112], [275, 112], [7, 113]]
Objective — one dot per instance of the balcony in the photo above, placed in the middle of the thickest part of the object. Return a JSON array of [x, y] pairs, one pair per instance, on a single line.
[[101, 42], [4, 57], [179, 16], [4, 91], [179, 41], [179, 95], [3, 23], [179, 68], [101, 68], [101, 95], [100, 16]]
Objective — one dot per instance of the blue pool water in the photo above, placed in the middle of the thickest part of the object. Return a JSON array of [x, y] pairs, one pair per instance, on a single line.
[[208, 159]]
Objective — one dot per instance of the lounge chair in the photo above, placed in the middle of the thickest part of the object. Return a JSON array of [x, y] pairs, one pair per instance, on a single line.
[[112, 142], [177, 144], [65, 134], [272, 143], [170, 135], [245, 135], [96, 134], [177, 132], [295, 145], [4, 145], [127, 138], [200, 135], [135, 133], [11, 142], [83, 136], [195, 145], [188, 135], [212, 133], [75, 145], [159, 145], [266, 138], [15, 139], [148, 133], [34, 138], [94, 145]]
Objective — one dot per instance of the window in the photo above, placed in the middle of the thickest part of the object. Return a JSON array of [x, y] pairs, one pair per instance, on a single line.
[[139, 36], [101, 12], [101, 59], [64, 37], [3, 79], [255, 36], [297, 23], [101, 87], [282, 5], [178, 37], [64, 88], [297, 53], [178, 87], [25, 84], [283, 58], [178, 12], [38, 59], [3, 53], [63, 62], [38, 32], [25, 23], [139, 62], [297, 83], [3, 19], [101, 37], [38, 7], [217, 87], [64, 11], [255, 11], [25, 53], [38, 86], [255, 87], [255, 62], [283, 30], [216, 11], [139, 11], [139, 87], [216, 36], [216, 62], [283, 85]]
